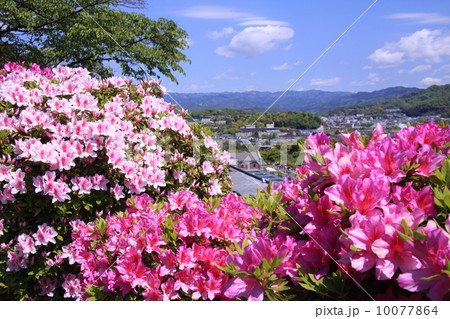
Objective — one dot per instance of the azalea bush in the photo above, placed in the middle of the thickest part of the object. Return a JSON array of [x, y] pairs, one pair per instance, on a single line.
[[348, 228], [108, 194], [73, 147], [367, 218]]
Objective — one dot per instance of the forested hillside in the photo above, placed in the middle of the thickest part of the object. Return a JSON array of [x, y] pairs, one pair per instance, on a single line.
[[432, 101], [236, 118], [314, 101]]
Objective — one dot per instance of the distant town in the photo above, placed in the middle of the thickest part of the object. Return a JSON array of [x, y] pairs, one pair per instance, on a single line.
[[262, 154]]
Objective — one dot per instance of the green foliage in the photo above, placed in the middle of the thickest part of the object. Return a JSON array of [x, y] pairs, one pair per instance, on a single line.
[[432, 101], [235, 119], [264, 273], [292, 153], [332, 287], [90, 33], [441, 190], [314, 101]]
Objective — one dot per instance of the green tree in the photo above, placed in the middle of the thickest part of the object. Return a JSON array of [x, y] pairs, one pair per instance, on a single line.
[[88, 33]]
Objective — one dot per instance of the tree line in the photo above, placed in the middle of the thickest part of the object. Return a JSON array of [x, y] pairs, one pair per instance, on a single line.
[[236, 118]]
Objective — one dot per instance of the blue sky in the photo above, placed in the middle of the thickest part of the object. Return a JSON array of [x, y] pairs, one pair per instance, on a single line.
[[266, 45]]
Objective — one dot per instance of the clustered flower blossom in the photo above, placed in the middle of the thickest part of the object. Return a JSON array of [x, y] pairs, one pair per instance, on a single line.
[[103, 196], [73, 146], [133, 254], [367, 203], [70, 125], [18, 258]]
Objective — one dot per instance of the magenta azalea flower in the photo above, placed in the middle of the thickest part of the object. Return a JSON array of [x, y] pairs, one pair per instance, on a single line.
[[249, 288]]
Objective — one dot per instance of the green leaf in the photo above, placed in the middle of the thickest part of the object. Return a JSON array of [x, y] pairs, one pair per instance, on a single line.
[[406, 228], [434, 277], [403, 236], [353, 248], [332, 213], [419, 236], [101, 226]]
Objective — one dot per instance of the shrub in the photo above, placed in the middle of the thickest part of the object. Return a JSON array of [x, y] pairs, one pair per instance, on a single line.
[[108, 194], [73, 147]]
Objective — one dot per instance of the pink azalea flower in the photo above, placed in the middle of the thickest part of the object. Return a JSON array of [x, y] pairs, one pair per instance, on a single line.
[[6, 196], [184, 280], [190, 161], [60, 192], [168, 288], [362, 237], [1, 226], [366, 199], [47, 286], [210, 143], [68, 252], [207, 168], [151, 294], [25, 245], [342, 192], [16, 260], [393, 252], [185, 258], [181, 199], [215, 189], [412, 199], [353, 139], [168, 263], [388, 158], [99, 182], [117, 191], [377, 135], [428, 160], [82, 185], [433, 253], [16, 182], [249, 288], [45, 235], [72, 287], [207, 289], [132, 269], [179, 176]]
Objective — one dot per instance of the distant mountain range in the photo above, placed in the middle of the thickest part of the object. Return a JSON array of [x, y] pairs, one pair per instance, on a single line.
[[314, 101], [435, 100]]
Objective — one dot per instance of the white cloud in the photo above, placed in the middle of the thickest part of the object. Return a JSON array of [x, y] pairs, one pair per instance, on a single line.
[[325, 82], [428, 45], [372, 79], [430, 81], [421, 68], [228, 74], [422, 18], [213, 12], [251, 88], [286, 66], [288, 47], [220, 34], [253, 41], [224, 51], [282, 67]]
